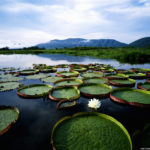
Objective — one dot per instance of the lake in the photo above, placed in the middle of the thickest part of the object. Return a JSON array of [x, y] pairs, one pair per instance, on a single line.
[[38, 116]]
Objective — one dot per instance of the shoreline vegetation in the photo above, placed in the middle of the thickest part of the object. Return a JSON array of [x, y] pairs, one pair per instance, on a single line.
[[123, 55]]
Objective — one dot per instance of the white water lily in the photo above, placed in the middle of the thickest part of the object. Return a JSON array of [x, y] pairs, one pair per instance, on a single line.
[[94, 103]]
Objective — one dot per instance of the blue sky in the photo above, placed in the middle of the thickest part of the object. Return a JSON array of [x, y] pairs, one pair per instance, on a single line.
[[29, 22]]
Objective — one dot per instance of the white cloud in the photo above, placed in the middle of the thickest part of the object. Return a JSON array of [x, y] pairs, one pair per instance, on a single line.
[[24, 37], [77, 18]]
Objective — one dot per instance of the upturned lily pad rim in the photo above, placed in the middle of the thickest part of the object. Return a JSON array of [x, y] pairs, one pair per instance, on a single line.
[[95, 95], [76, 73], [66, 99], [69, 79], [113, 98], [62, 101], [119, 76], [88, 114], [139, 85], [122, 84], [33, 96], [12, 123]]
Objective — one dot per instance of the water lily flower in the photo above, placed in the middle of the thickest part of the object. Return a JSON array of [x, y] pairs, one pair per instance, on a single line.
[[94, 103]]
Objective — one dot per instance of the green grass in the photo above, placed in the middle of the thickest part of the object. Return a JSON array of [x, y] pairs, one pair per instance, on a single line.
[[123, 55]]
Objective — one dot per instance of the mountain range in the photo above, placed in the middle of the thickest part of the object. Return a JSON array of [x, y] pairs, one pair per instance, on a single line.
[[79, 42]]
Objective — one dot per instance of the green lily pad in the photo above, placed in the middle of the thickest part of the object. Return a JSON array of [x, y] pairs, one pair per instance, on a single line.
[[68, 82], [48, 69], [7, 86], [51, 79], [64, 93], [122, 83], [144, 86], [98, 80], [123, 71], [136, 75], [28, 72], [79, 69], [88, 131], [131, 96], [34, 90], [92, 74], [62, 66], [37, 76], [67, 74], [8, 116], [95, 90], [141, 70], [116, 76]]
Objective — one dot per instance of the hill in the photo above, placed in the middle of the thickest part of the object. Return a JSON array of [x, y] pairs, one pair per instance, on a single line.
[[79, 42], [143, 42]]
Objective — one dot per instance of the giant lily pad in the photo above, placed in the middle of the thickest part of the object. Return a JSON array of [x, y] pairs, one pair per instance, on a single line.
[[144, 86], [141, 70], [79, 69], [122, 83], [8, 116], [64, 93], [51, 79], [37, 76], [68, 82], [48, 69], [136, 75], [62, 66], [34, 90], [28, 72], [96, 80], [131, 96], [92, 74], [66, 74], [95, 90], [116, 76], [7, 86], [105, 70], [88, 131]]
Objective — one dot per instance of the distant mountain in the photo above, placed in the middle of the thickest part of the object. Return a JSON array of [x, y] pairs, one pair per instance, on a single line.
[[79, 42], [143, 42]]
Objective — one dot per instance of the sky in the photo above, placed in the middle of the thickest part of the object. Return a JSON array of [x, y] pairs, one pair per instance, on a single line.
[[26, 23]]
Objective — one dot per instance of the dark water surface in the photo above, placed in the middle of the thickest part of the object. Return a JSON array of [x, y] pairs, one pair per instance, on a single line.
[[38, 116]]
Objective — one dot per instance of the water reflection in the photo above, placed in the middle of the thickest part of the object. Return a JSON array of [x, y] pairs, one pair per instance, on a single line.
[[25, 61]]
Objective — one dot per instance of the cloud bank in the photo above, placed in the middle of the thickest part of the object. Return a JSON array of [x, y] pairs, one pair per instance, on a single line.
[[29, 22]]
